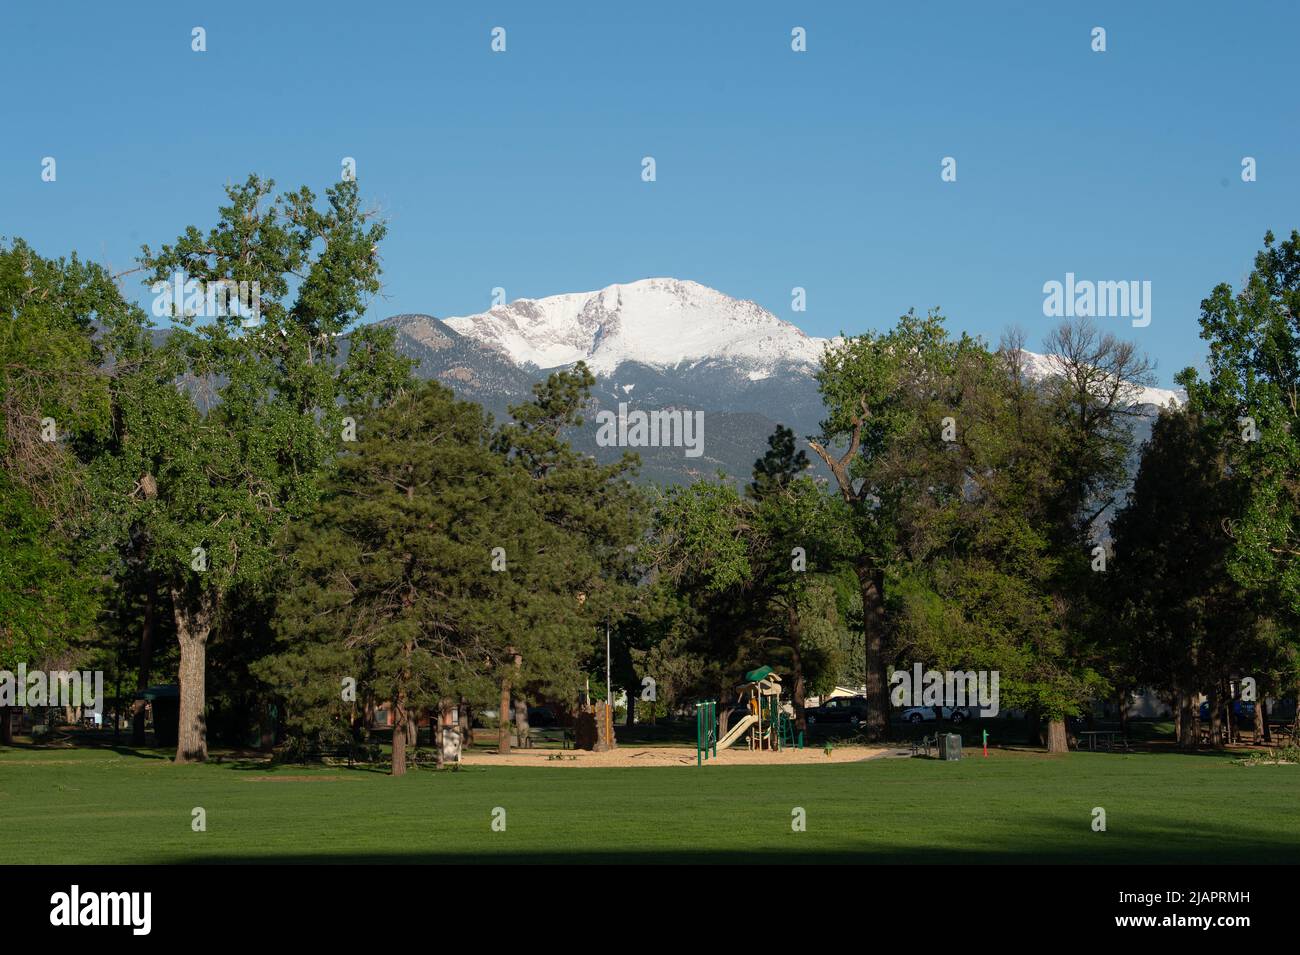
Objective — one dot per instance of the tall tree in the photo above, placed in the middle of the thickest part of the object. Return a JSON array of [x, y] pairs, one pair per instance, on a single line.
[[1093, 396], [1183, 624], [1250, 401], [579, 564], [391, 585], [54, 407], [885, 396], [976, 590], [752, 566], [242, 448], [798, 534]]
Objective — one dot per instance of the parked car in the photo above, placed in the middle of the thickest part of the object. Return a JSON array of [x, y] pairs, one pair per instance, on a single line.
[[1239, 708], [956, 714], [737, 713], [842, 709]]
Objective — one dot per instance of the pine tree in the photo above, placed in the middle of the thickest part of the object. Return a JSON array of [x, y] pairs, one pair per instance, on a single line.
[[393, 588]]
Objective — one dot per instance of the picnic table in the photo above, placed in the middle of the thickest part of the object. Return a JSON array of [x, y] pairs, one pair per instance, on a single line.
[[924, 744], [1105, 739]]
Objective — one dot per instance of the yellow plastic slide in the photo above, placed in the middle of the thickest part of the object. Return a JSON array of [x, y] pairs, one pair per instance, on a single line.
[[737, 731]]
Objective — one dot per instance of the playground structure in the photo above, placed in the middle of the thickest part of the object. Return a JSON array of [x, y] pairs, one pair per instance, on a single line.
[[765, 724]]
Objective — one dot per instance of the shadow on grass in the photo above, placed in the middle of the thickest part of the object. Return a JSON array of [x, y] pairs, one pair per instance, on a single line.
[[756, 856], [1041, 840], [121, 749]]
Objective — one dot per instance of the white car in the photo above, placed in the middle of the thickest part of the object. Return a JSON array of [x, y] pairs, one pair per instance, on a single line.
[[956, 714]]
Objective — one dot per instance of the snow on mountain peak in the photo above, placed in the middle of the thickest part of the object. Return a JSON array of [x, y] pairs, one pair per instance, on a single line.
[[662, 322], [666, 322]]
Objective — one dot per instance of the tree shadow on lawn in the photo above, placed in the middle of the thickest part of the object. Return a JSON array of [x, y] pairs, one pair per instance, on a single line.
[[1043, 841], [272, 766], [121, 749]]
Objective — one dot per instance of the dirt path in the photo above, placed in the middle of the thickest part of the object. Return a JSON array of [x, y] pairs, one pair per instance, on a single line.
[[674, 756]]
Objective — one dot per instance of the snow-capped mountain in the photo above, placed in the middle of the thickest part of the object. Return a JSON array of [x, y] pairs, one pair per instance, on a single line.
[[660, 323], [653, 344], [668, 323]]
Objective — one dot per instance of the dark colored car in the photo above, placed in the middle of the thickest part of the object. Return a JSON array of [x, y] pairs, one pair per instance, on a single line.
[[737, 713], [842, 709], [1239, 708]]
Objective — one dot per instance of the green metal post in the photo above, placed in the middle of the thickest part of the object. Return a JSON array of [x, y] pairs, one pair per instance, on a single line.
[[699, 725]]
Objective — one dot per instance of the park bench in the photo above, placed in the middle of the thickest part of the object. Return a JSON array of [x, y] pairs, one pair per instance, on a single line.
[[1109, 740]]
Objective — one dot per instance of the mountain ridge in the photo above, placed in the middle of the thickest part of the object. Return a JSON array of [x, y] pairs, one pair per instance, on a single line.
[[658, 343]]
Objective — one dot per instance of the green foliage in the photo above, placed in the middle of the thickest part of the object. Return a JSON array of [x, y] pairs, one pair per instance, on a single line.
[[50, 377], [779, 466], [445, 558], [1254, 373], [1185, 624], [751, 568], [234, 468], [390, 583]]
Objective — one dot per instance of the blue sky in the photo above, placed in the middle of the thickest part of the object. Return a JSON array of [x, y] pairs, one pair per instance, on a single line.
[[775, 169]]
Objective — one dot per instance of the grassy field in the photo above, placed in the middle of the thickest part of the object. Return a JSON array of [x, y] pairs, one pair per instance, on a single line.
[[132, 806]]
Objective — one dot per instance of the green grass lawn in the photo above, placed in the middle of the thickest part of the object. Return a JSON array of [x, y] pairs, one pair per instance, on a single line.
[[106, 806]]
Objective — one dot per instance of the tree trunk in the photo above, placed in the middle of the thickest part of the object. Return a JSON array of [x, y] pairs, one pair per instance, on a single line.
[[146, 665], [399, 733], [193, 624], [503, 719], [631, 707], [1034, 729], [117, 708], [1261, 719], [521, 719], [873, 625], [1216, 719], [872, 581], [371, 713], [1057, 741], [466, 724], [1188, 732], [402, 714], [1230, 722], [798, 692], [358, 726], [521, 708], [266, 727]]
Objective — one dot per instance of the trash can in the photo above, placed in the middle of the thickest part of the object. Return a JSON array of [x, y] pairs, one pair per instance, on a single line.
[[950, 746]]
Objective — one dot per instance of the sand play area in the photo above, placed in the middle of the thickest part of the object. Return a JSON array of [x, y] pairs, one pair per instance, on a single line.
[[674, 756]]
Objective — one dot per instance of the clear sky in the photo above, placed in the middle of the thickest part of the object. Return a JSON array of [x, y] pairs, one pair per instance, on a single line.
[[775, 169]]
